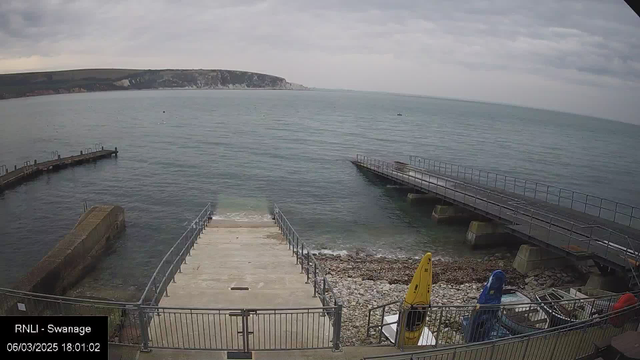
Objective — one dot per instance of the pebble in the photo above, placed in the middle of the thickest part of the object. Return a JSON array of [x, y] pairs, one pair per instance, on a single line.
[[364, 281]]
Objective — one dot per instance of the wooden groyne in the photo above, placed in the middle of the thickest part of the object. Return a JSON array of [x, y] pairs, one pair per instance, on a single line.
[[9, 179]]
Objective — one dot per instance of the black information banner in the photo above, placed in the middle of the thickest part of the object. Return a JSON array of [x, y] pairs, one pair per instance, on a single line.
[[39, 337]]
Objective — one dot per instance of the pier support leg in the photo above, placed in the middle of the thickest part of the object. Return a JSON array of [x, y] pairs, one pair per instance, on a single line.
[[532, 257], [451, 214], [608, 282], [422, 198], [484, 234]]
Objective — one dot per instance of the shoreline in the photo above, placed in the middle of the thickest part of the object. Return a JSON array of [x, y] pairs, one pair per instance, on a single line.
[[366, 281]]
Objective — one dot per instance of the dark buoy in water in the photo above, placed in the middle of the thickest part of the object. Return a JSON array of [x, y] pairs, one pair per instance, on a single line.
[[163, 111], [399, 114]]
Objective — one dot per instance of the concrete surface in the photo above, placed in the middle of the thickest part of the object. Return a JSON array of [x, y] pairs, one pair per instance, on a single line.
[[483, 234], [240, 255], [450, 214], [76, 253], [123, 352], [232, 256], [532, 257], [419, 198]]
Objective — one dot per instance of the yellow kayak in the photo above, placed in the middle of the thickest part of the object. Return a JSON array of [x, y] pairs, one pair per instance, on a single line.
[[417, 299]]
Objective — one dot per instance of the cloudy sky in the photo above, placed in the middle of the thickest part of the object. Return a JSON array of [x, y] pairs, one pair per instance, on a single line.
[[580, 56]]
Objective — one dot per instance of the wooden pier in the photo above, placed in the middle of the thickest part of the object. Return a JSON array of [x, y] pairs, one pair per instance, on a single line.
[[19, 175]]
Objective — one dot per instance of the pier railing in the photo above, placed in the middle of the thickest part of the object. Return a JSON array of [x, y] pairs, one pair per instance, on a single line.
[[615, 211], [173, 260], [571, 341], [564, 234], [449, 325]]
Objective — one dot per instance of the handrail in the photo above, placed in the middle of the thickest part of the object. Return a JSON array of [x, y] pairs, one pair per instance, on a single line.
[[567, 327], [187, 241], [514, 212], [298, 248], [610, 299], [538, 188]]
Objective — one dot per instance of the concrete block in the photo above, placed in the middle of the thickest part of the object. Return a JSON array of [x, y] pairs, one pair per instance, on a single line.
[[532, 257], [612, 283], [450, 213], [481, 234], [77, 253], [416, 198]]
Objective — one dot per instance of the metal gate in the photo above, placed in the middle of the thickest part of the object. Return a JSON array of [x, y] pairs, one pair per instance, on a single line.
[[242, 330]]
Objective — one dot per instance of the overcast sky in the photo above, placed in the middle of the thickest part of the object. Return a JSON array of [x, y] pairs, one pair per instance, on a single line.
[[580, 56]]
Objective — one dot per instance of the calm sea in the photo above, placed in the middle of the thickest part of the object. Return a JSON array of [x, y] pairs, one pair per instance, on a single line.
[[243, 150]]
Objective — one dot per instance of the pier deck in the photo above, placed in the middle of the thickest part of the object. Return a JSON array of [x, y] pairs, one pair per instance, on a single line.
[[10, 179], [572, 233]]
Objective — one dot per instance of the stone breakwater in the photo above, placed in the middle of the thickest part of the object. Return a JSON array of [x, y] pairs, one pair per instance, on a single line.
[[365, 281]]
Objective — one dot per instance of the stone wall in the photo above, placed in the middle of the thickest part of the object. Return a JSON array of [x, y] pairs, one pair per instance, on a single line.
[[77, 253]]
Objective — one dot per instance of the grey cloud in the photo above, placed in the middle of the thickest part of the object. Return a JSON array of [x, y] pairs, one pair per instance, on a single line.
[[586, 43]]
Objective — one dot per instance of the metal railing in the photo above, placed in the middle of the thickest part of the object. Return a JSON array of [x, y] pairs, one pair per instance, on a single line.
[[173, 260], [564, 234], [148, 325], [124, 317], [449, 325], [241, 330], [313, 271], [570, 341], [615, 211]]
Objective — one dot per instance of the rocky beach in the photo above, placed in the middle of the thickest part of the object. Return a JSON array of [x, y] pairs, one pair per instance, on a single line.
[[365, 281]]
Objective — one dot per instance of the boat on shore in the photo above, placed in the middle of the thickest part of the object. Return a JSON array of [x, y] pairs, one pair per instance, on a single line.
[[599, 301], [520, 315], [561, 307]]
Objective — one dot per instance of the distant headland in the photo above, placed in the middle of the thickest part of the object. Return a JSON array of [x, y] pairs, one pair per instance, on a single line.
[[89, 80]]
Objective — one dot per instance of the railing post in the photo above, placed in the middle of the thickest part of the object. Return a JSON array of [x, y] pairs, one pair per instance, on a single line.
[[315, 278], [400, 326], [245, 331], [493, 349], [570, 233], [438, 331], [546, 198], [324, 291], [337, 327], [144, 330], [302, 260]]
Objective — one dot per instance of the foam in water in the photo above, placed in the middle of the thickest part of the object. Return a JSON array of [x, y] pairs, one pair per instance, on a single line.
[[243, 216]]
